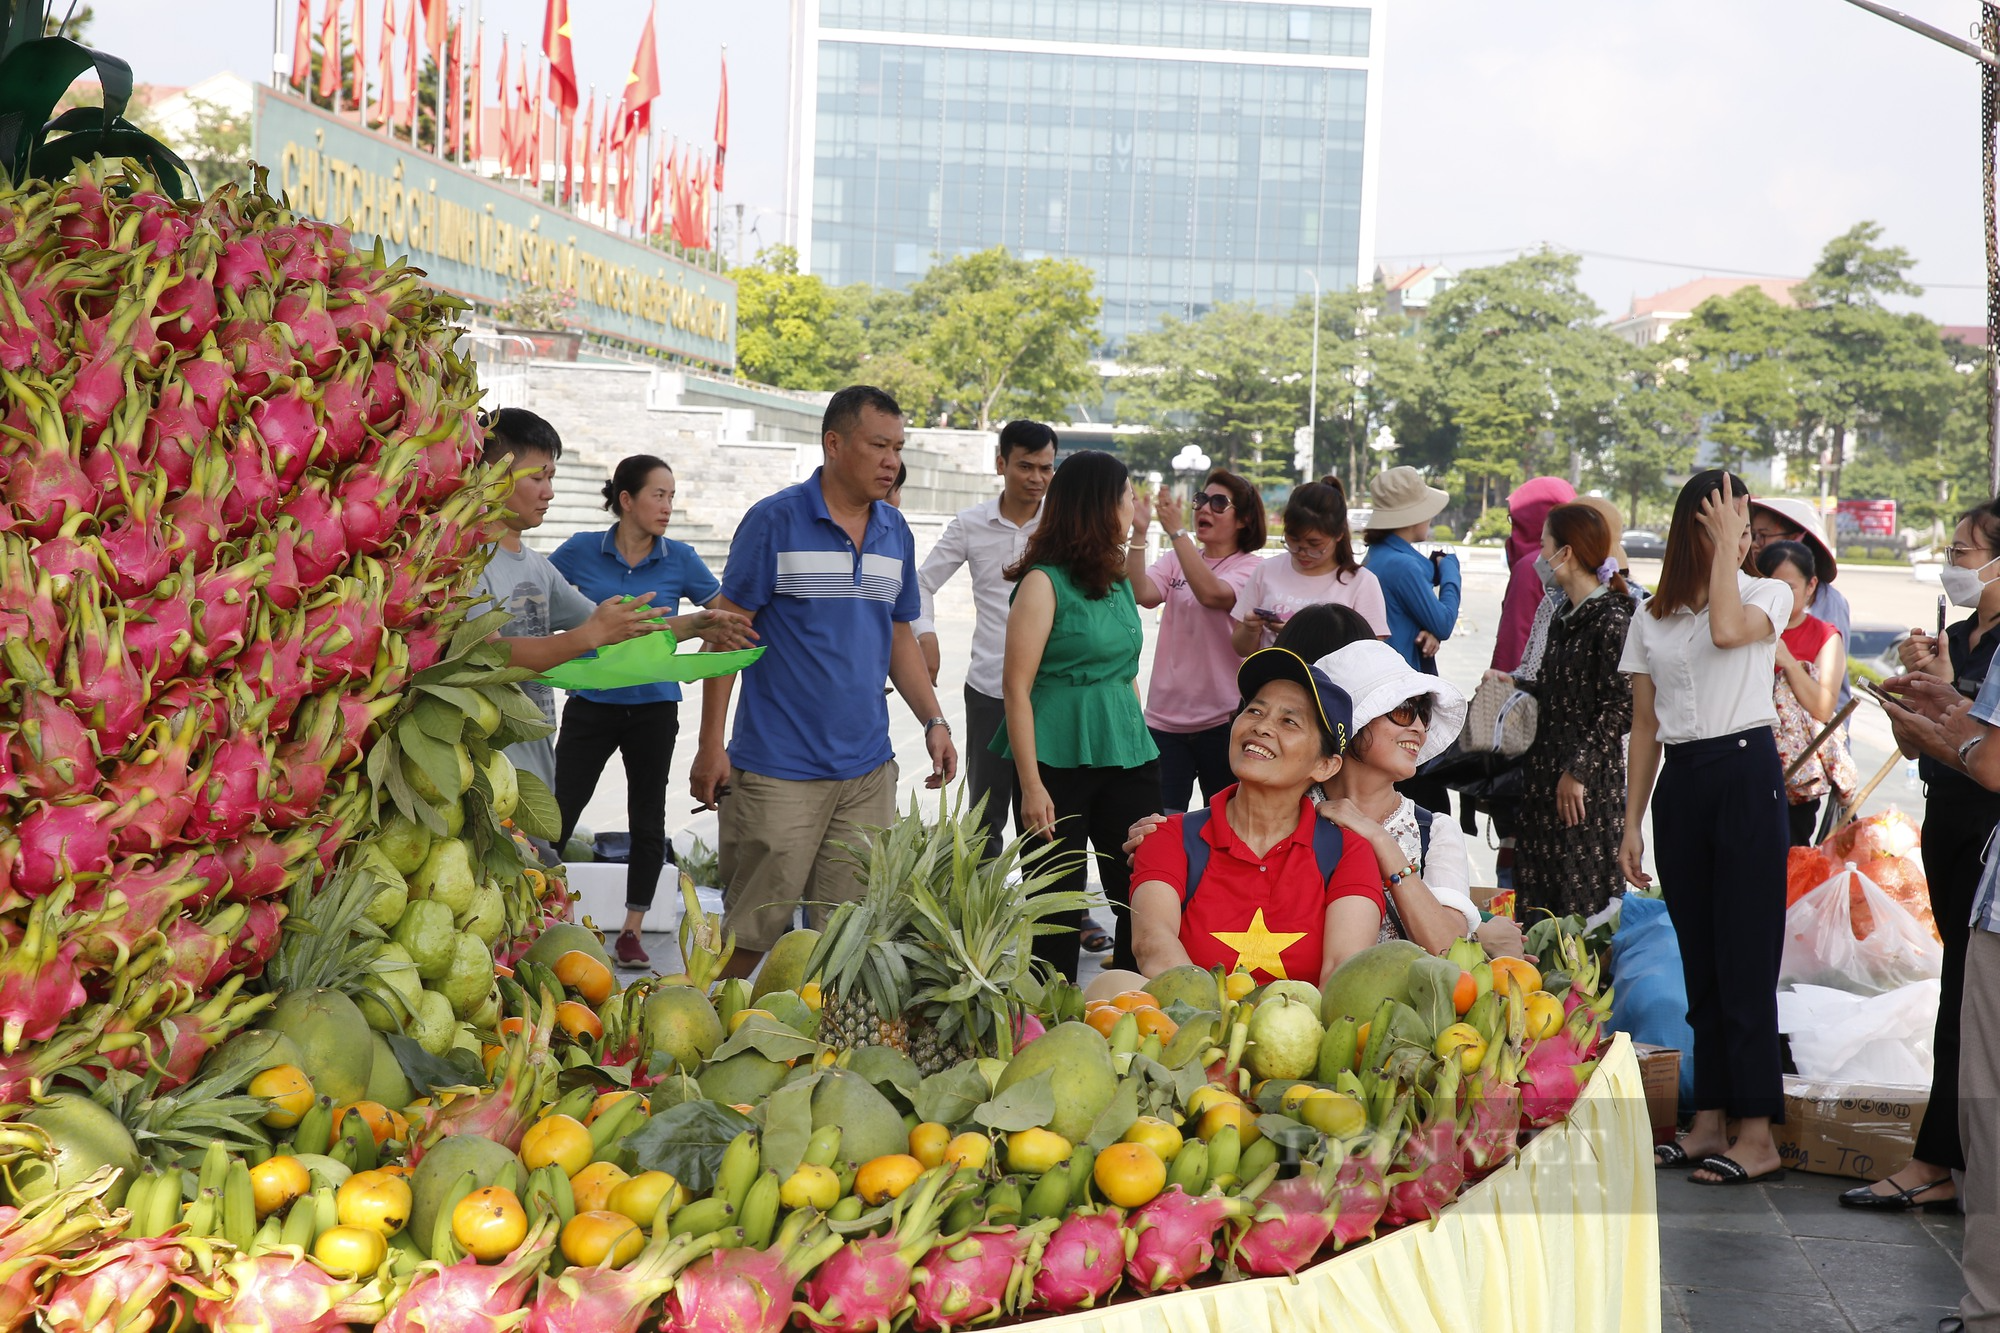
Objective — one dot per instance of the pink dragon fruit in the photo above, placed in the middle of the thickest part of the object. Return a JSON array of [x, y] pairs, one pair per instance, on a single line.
[[1174, 1237], [471, 1297], [972, 1279], [865, 1286], [1079, 1264], [179, 1044], [1294, 1219], [503, 1111], [1433, 1164], [129, 904], [127, 1286], [64, 840], [746, 1291], [38, 973], [604, 1299], [54, 753], [1553, 1073], [282, 1291], [1358, 1187]]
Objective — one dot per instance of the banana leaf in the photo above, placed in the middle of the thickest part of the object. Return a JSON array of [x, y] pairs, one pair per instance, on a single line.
[[647, 660]]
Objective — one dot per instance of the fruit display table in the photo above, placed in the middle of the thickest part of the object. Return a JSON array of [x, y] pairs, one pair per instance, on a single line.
[[1564, 1237]]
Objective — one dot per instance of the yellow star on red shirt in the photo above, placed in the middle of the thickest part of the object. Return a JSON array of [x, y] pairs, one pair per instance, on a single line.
[[1259, 949]]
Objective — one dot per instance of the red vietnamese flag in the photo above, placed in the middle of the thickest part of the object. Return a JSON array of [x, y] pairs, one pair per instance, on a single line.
[[410, 70], [478, 94], [448, 143], [506, 114], [604, 198], [704, 195], [562, 62], [302, 63], [722, 120], [385, 63], [523, 128], [642, 85], [589, 129], [435, 22], [656, 206], [329, 53], [535, 136], [357, 74]]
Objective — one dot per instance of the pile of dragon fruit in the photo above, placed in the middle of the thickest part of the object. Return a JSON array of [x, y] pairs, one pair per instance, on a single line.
[[238, 495]]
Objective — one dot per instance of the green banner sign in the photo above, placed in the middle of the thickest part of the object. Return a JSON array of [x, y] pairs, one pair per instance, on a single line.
[[486, 240]]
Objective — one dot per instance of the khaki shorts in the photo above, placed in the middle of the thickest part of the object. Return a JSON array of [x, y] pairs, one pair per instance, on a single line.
[[782, 847]]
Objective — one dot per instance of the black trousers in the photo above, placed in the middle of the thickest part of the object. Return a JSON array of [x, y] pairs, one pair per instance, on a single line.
[[1097, 805], [1802, 820], [643, 734], [1720, 833], [1188, 756], [1955, 836], [986, 773]]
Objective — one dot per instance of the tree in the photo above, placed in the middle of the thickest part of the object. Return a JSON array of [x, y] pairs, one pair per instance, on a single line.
[[783, 318], [1231, 382], [1654, 433], [1005, 336], [74, 23], [1736, 359]]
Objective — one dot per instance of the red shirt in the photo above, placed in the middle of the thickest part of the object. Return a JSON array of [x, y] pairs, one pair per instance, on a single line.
[[1806, 638], [1267, 913]]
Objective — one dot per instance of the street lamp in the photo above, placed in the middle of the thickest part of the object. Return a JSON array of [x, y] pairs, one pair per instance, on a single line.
[[1302, 453]]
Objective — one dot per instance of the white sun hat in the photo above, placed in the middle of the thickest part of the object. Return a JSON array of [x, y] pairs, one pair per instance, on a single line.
[[1377, 679]]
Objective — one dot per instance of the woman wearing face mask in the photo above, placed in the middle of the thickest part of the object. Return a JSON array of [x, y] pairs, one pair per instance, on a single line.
[[1318, 566], [1572, 810], [1959, 818], [1812, 661], [1700, 655]]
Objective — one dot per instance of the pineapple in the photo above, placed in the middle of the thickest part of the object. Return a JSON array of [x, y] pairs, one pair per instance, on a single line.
[[862, 958]]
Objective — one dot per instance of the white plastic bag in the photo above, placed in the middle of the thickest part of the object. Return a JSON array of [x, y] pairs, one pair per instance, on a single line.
[[1821, 950], [1846, 1038]]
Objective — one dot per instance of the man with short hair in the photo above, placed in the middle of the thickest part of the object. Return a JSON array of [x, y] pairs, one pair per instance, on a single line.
[[989, 537], [552, 622], [827, 572]]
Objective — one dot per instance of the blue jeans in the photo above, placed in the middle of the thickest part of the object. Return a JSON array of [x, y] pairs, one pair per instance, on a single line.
[[1186, 756]]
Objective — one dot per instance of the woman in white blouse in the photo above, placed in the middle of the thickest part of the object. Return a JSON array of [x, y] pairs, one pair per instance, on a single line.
[[1700, 654]]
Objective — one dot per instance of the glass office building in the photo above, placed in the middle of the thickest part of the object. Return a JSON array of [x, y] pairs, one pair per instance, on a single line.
[[1192, 152]]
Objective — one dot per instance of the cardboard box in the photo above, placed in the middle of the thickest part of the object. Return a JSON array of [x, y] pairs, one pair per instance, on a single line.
[[1660, 1069], [1866, 1131]]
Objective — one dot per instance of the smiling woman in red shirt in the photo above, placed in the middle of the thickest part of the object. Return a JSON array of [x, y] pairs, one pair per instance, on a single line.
[[1256, 880]]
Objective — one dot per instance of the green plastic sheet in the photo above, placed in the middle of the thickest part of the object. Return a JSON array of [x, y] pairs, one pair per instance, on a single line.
[[646, 660]]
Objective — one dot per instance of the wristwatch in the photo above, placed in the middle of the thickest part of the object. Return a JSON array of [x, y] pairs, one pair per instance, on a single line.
[[936, 722], [1965, 750]]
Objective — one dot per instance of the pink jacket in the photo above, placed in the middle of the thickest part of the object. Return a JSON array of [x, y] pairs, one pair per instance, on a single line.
[[1529, 507]]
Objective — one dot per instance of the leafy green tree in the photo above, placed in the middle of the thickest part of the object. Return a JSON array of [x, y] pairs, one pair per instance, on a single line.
[[1736, 357], [1005, 336], [1654, 432], [1231, 382], [783, 318]]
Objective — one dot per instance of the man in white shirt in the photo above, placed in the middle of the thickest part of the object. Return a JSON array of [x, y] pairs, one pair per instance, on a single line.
[[989, 537]]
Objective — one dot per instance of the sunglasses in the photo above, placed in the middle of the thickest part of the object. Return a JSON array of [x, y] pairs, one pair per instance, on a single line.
[[1216, 502], [1411, 711]]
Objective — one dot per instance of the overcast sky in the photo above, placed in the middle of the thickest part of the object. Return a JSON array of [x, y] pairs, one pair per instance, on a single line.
[[1708, 134]]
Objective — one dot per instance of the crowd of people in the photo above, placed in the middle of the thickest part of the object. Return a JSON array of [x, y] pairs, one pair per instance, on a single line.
[[1299, 692]]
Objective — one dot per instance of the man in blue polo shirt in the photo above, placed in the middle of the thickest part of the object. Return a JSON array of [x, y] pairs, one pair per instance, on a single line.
[[827, 572]]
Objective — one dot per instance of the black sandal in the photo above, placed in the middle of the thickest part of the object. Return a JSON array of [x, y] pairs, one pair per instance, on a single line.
[[1731, 1172], [1865, 1197], [1095, 938], [1669, 1155]]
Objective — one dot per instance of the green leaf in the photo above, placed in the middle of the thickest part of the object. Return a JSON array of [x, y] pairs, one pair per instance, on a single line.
[[769, 1038], [53, 159], [950, 1096], [437, 759], [34, 75], [687, 1141], [537, 813], [1288, 1133], [439, 720], [1029, 1104], [1181, 1011], [886, 1068], [1117, 1117], [788, 1126], [427, 1073], [595, 1076]]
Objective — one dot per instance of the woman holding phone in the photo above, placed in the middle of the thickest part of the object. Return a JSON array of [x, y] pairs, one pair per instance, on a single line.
[[1318, 566], [1701, 655]]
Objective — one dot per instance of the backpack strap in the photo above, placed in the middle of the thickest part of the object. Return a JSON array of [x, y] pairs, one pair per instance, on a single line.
[[1196, 847], [1424, 818], [1328, 842]]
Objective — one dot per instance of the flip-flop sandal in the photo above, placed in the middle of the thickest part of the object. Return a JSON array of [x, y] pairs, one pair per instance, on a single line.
[[1096, 939], [1666, 1156], [1731, 1173]]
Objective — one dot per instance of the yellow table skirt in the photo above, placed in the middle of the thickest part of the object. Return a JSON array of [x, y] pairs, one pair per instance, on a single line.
[[1564, 1238]]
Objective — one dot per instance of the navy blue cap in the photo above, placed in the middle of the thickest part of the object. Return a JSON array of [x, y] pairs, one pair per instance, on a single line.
[[1336, 710]]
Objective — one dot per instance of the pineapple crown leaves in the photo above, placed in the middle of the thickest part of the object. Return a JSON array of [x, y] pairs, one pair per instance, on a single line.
[[328, 944], [164, 1124]]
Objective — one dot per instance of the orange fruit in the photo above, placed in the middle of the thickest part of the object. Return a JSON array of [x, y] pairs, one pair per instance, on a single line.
[[585, 975], [1238, 984], [640, 1197], [1230, 1113], [881, 1179], [1156, 1134], [1464, 992], [1544, 1014], [373, 1114], [489, 1055], [969, 1150], [489, 1223], [1126, 1001], [578, 1020], [1036, 1152], [1129, 1174], [928, 1142], [1104, 1018], [592, 1186], [276, 1182], [375, 1200], [288, 1090], [513, 1027], [606, 1101], [351, 1252], [560, 1141], [1511, 974], [596, 1234], [1154, 1023]]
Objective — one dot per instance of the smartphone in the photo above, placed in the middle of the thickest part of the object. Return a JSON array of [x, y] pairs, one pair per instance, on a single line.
[[1266, 613], [1880, 694], [1943, 602]]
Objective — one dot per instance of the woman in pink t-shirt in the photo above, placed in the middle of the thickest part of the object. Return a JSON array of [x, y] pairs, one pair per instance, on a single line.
[[1191, 699], [1318, 566]]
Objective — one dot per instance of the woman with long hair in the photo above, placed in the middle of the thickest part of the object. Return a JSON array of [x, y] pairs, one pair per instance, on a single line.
[[1318, 566], [1959, 818], [1572, 810], [1087, 765], [640, 722], [1194, 665], [1700, 655], [1812, 664]]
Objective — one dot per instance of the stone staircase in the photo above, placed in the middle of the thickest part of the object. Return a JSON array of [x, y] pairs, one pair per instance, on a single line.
[[579, 507]]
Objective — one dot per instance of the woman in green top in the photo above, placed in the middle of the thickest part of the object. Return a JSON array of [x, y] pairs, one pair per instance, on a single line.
[[1074, 727]]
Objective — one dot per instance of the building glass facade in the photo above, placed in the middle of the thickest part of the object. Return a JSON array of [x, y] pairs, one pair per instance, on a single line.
[[1192, 152]]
